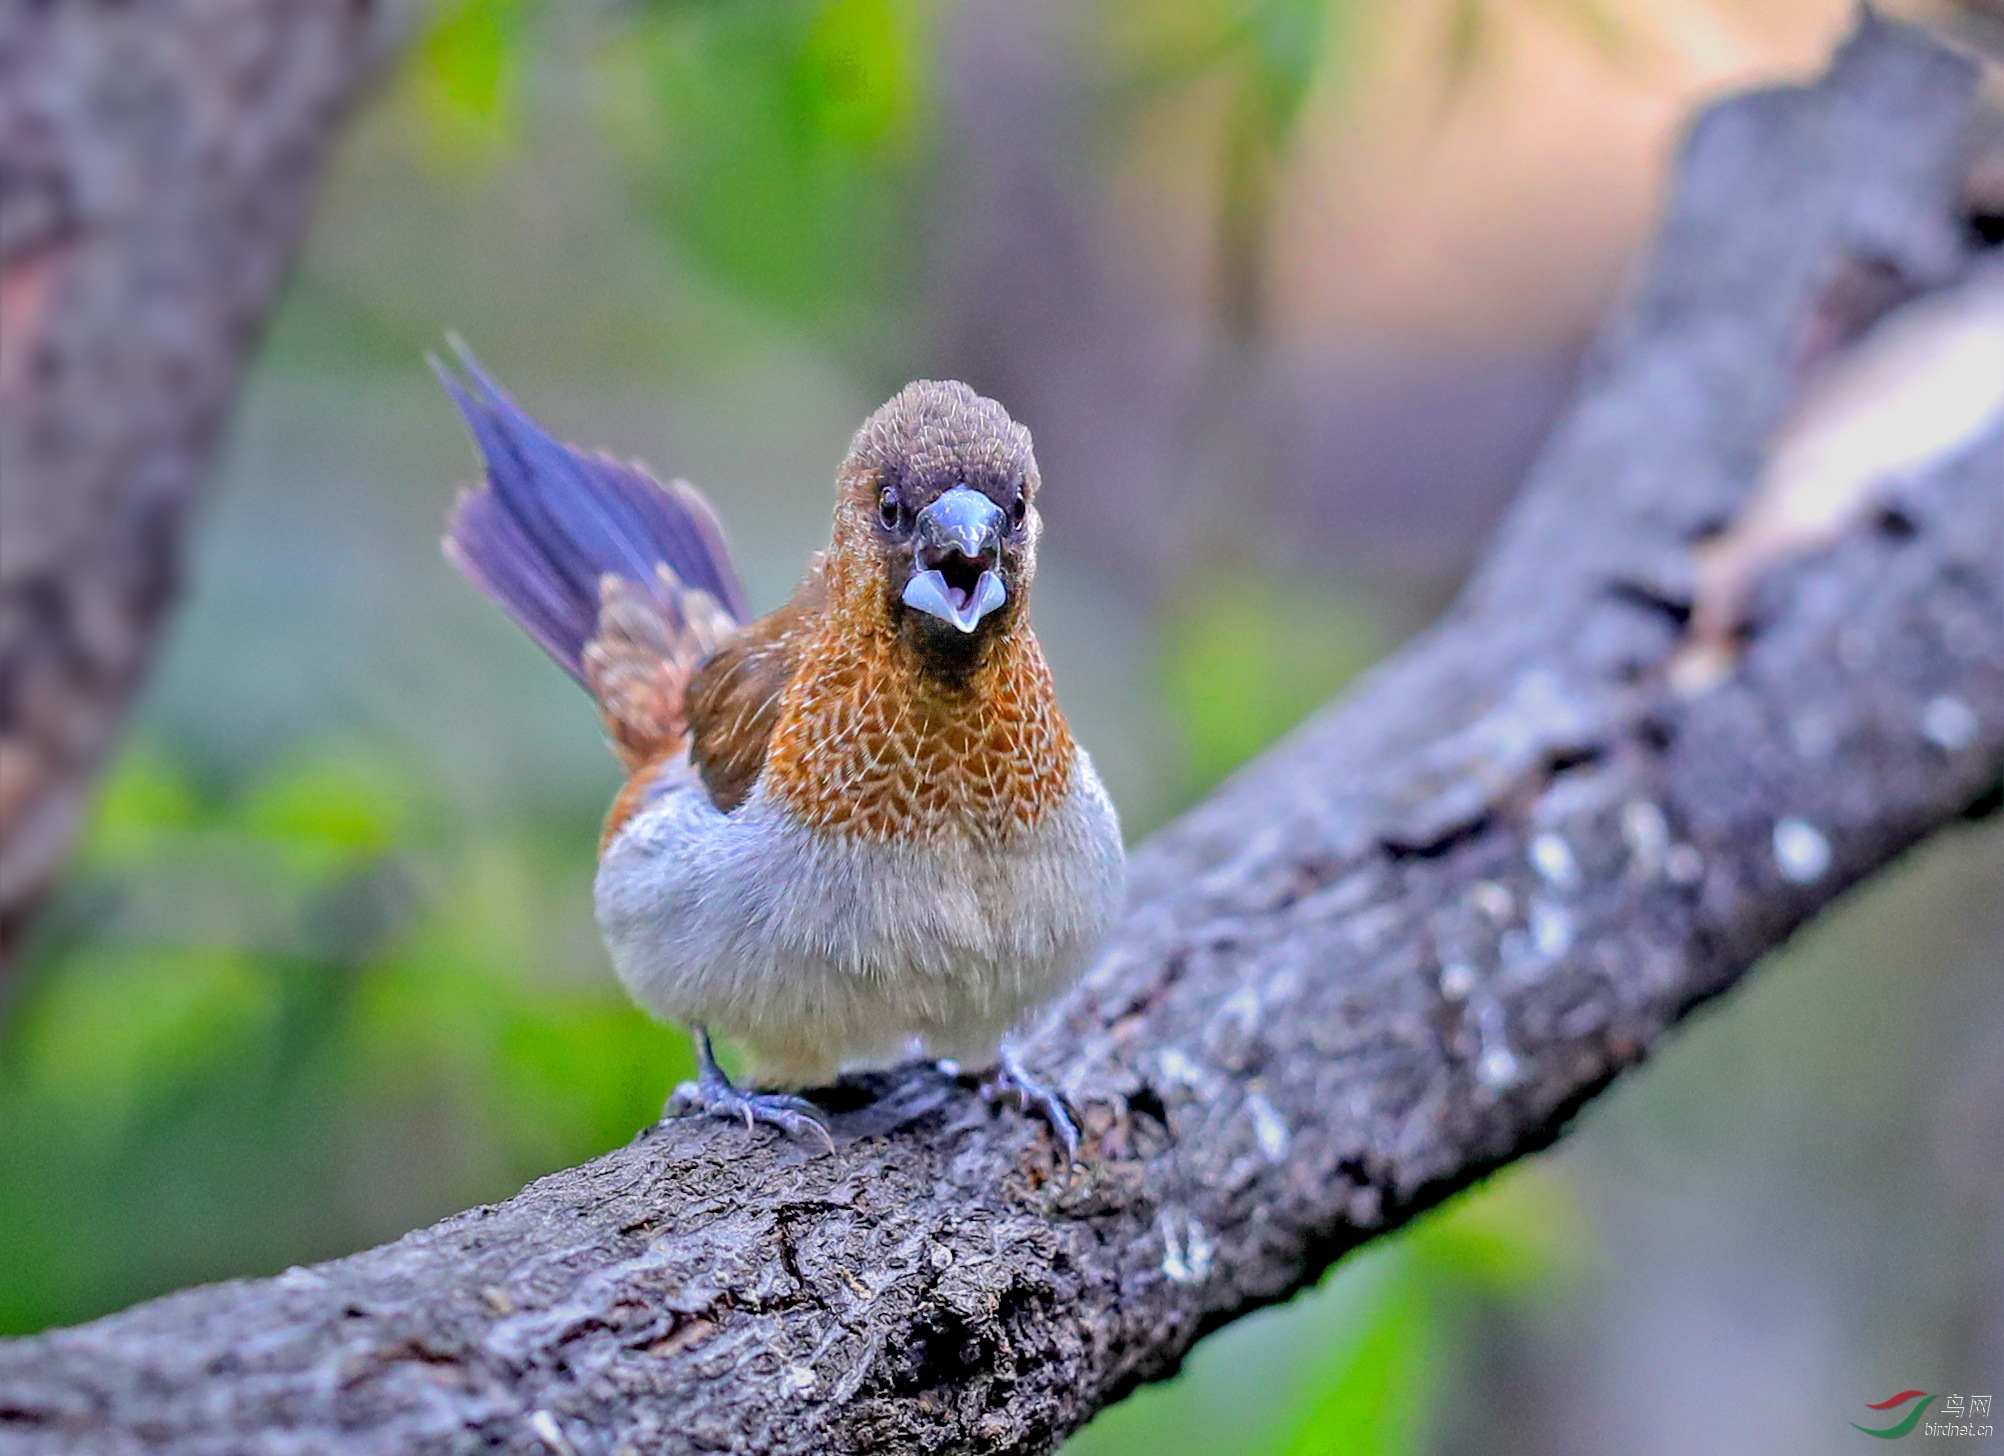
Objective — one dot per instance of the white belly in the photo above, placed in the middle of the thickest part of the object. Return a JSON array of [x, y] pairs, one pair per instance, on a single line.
[[822, 952]]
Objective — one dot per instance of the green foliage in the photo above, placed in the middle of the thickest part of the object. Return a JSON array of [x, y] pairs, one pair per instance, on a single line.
[[282, 1021], [1522, 1235], [773, 146], [466, 75], [778, 143], [1247, 656], [1373, 1401]]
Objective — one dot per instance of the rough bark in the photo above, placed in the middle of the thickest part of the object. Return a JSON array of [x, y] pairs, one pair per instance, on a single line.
[[157, 166], [1402, 949]]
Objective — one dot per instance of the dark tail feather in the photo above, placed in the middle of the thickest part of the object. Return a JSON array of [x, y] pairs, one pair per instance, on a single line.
[[551, 520]]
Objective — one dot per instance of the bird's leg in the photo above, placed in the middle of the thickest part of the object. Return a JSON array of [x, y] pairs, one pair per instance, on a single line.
[[713, 1094], [1009, 1078]]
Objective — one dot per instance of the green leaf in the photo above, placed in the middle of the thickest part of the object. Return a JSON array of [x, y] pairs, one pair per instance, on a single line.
[[342, 805], [145, 802], [124, 1027], [1247, 657], [779, 142], [1375, 1401], [1521, 1234], [581, 1070], [465, 76], [857, 76]]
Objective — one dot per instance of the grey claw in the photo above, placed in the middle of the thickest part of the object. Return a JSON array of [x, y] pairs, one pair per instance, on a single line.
[[713, 1094], [1011, 1078], [794, 1116]]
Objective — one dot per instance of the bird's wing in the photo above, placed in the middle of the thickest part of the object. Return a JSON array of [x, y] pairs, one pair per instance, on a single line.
[[649, 642], [733, 700], [692, 679]]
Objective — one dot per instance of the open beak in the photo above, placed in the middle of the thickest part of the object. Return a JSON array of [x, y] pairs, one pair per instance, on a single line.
[[957, 545]]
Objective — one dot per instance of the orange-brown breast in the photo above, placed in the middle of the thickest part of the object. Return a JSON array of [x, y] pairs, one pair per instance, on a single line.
[[865, 745]]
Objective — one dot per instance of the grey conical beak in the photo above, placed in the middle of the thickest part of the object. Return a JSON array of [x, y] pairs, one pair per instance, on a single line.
[[962, 533], [928, 592]]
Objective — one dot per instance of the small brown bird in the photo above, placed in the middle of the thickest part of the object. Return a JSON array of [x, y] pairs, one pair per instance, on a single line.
[[856, 829]]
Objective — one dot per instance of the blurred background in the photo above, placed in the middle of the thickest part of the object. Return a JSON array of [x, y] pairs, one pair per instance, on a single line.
[[1289, 291]]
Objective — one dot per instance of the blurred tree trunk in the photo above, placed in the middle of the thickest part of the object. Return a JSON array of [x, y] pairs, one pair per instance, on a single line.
[[158, 164]]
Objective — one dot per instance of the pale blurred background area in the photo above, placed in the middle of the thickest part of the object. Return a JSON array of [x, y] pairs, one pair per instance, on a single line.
[[1289, 292]]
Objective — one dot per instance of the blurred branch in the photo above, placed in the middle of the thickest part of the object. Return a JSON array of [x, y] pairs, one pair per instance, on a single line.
[[157, 167], [1401, 950]]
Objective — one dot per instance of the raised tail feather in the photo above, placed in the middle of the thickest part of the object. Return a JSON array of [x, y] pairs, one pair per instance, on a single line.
[[624, 581], [551, 522]]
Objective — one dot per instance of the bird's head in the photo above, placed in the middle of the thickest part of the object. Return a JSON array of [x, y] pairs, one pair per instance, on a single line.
[[936, 524]]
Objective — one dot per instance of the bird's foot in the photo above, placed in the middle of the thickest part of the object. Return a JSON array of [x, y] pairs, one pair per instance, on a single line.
[[713, 1094], [1009, 1078]]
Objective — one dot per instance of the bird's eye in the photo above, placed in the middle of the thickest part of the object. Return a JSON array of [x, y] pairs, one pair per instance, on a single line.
[[889, 512], [1018, 509]]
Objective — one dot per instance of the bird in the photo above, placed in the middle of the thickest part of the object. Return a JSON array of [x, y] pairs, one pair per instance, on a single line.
[[855, 830]]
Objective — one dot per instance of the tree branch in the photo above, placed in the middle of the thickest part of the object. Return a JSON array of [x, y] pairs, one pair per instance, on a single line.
[[1398, 952], [157, 166]]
